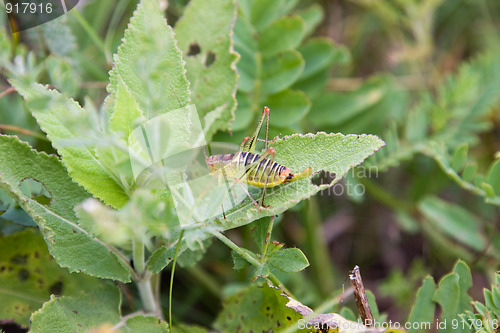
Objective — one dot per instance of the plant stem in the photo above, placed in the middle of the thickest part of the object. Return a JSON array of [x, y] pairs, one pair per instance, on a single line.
[[138, 253], [268, 236], [172, 281], [149, 302], [23, 131], [321, 261], [250, 260]]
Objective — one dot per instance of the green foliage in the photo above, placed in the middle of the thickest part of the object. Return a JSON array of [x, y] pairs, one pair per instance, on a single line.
[[28, 277], [451, 294], [486, 315], [259, 308], [277, 67], [80, 312], [73, 247]]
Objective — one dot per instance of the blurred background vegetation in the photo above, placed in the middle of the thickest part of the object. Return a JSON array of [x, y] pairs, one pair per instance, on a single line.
[[424, 75]]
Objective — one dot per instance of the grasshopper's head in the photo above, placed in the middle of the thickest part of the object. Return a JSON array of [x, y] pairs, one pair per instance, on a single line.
[[210, 163]]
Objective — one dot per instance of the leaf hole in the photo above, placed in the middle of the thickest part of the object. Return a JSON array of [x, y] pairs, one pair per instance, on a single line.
[[210, 59], [194, 49], [36, 190], [323, 178]]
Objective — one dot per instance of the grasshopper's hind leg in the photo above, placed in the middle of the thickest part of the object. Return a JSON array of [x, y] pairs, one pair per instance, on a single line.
[[249, 143], [269, 152]]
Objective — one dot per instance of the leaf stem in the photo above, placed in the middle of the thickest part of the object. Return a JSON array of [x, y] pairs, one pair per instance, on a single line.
[[268, 237], [250, 260]]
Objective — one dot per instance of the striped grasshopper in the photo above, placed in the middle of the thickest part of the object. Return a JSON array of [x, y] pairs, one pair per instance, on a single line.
[[254, 169]]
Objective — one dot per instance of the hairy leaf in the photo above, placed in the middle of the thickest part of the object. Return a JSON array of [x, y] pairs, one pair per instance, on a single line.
[[71, 245], [204, 36], [73, 132], [333, 153], [150, 64], [79, 313]]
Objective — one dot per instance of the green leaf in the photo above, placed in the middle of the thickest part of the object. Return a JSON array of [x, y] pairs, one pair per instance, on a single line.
[[262, 12], [70, 127], [459, 157], [335, 108], [243, 113], [71, 245], [246, 46], [312, 16], [150, 64], [126, 111], [423, 309], [146, 324], [162, 257], [465, 283], [281, 71], [319, 54], [257, 308], [469, 172], [63, 75], [373, 305], [283, 34], [239, 261], [288, 260], [454, 221], [259, 232], [78, 313], [59, 38], [262, 271], [334, 153], [10, 211], [204, 36], [288, 107], [29, 275], [416, 126], [313, 86], [448, 297], [493, 177]]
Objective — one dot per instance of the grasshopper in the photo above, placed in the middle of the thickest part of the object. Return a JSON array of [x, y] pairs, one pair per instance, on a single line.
[[255, 169]]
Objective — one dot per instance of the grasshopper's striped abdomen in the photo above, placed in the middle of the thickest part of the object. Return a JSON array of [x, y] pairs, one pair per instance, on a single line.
[[254, 170]]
